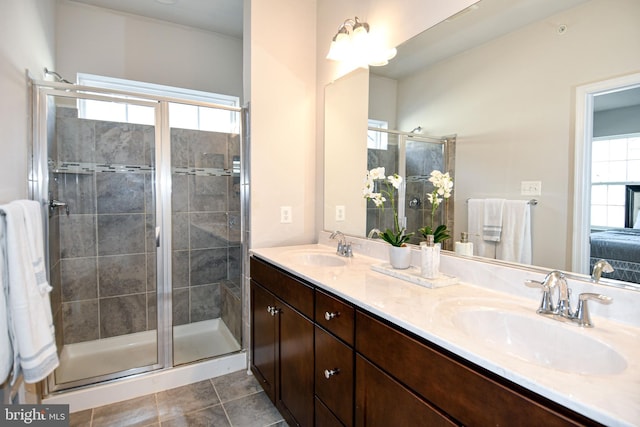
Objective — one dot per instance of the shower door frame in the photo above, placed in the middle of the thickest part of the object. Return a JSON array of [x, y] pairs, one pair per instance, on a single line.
[[38, 181]]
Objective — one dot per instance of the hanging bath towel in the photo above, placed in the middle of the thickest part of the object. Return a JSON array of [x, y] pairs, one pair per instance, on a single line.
[[475, 225], [6, 350], [515, 245], [35, 351], [492, 227]]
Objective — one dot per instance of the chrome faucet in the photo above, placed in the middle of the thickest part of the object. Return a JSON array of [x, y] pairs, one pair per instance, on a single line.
[[602, 266], [562, 310], [344, 248], [373, 232]]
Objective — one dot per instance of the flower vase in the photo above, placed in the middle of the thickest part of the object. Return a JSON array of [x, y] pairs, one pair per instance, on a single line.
[[400, 257]]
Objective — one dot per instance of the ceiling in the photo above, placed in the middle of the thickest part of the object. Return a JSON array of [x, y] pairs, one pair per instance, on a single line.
[[225, 17], [220, 16]]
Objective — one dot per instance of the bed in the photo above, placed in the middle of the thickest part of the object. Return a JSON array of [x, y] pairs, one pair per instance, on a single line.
[[621, 248]]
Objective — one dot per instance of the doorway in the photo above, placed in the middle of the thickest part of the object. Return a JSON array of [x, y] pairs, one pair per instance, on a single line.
[[587, 99]]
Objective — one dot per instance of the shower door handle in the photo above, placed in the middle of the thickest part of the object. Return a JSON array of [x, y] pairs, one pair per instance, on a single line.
[[157, 237], [55, 204]]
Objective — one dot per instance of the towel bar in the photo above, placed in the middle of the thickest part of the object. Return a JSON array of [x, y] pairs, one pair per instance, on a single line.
[[532, 202]]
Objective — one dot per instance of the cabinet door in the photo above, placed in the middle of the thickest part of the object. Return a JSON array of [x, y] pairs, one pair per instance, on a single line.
[[263, 338], [334, 375], [382, 401], [295, 393]]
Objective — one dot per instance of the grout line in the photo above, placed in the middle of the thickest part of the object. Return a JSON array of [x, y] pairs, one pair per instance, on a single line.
[[155, 398]]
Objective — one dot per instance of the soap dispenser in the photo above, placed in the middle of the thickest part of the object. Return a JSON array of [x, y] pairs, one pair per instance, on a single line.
[[430, 257], [464, 246]]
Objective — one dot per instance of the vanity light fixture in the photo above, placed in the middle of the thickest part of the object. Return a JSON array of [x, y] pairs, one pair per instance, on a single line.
[[353, 42]]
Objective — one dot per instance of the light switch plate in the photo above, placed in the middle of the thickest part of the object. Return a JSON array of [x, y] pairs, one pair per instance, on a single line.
[[531, 188]]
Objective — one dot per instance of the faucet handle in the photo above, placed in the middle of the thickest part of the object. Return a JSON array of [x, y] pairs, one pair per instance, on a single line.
[[546, 305], [582, 312]]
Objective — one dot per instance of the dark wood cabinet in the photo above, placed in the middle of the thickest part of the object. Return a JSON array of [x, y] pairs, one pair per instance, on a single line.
[[282, 342], [334, 375], [263, 338], [326, 363], [382, 401], [463, 391]]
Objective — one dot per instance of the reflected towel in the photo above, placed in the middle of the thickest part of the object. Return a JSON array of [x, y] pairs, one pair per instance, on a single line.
[[492, 227], [515, 245], [29, 307], [475, 224]]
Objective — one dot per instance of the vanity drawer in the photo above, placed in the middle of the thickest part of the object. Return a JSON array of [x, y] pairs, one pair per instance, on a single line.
[[461, 390], [334, 375], [295, 293], [324, 417], [335, 316]]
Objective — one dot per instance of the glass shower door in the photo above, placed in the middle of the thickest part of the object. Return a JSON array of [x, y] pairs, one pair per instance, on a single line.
[[102, 235], [206, 241]]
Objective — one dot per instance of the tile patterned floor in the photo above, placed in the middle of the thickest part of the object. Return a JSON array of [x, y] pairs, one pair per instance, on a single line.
[[233, 400]]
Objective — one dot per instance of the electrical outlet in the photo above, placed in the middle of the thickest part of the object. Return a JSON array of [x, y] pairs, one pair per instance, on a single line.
[[340, 213], [531, 188], [285, 215]]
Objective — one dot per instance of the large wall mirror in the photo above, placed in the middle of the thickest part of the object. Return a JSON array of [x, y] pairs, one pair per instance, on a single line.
[[502, 76]]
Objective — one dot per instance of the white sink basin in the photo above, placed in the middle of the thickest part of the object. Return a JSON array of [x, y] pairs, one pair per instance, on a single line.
[[319, 259], [539, 341]]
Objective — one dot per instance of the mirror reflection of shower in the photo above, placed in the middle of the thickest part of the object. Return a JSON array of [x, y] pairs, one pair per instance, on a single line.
[[412, 156]]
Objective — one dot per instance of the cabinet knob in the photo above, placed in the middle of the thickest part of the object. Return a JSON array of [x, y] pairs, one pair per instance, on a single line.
[[330, 316], [328, 373], [272, 310]]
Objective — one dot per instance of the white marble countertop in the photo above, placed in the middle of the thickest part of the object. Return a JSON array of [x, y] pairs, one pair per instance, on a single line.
[[611, 398]]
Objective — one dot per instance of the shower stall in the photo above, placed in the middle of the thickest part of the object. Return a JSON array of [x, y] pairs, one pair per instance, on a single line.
[[144, 230], [412, 156]]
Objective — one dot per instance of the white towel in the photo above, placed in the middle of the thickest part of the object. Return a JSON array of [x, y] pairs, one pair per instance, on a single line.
[[29, 307], [475, 225], [515, 245], [6, 350], [492, 227]]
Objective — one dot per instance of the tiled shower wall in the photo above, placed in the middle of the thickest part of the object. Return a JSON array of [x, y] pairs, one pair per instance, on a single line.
[[206, 256], [107, 242]]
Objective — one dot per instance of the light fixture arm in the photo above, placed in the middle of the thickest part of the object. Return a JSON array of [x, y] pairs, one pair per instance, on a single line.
[[353, 40]]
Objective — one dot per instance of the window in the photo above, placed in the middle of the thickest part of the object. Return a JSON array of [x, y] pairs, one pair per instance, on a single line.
[[377, 140], [180, 115], [615, 163]]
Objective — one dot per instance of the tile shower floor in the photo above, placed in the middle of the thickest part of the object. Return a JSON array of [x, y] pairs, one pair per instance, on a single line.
[[234, 399]]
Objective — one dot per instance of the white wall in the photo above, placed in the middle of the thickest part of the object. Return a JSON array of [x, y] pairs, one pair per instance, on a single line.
[[619, 121], [100, 41], [26, 42], [383, 93], [346, 119], [500, 141], [283, 111]]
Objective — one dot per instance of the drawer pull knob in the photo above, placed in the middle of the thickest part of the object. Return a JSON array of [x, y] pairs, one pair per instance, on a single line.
[[328, 373], [330, 316]]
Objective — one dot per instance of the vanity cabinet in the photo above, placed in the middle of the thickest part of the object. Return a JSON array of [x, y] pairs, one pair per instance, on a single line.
[[459, 390], [282, 341], [326, 362], [334, 358], [382, 401]]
